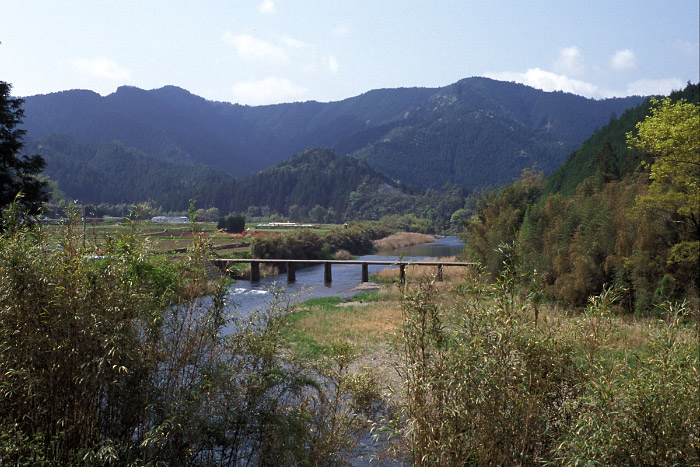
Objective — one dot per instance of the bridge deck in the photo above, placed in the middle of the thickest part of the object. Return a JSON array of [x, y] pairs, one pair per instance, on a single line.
[[327, 276]]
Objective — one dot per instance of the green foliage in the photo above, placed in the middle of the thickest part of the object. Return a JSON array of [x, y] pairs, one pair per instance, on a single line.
[[233, 223], [357, 238], [297, 244], [670, 136], [484, 385], [123, 359], [18, 175], [643, 413], [497, 219], [607, 151], [307, 244], [619, 226]]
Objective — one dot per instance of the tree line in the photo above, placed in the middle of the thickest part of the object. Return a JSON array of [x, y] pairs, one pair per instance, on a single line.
[[632, 223]]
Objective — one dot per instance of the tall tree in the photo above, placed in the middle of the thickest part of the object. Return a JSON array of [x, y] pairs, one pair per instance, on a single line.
[[18, 174], [671, 136]]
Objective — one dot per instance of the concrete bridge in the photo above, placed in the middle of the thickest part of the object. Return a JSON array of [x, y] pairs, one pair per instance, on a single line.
[[328, 264]]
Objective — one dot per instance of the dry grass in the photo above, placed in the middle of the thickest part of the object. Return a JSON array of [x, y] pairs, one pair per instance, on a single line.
[[370, 326], [402, 239], [422, 273], [362, 325], [343, 254]]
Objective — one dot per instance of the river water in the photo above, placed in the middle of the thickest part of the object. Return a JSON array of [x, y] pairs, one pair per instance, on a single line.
[[247, 296]]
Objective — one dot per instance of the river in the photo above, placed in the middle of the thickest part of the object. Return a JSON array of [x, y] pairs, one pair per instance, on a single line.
[[247, 296]]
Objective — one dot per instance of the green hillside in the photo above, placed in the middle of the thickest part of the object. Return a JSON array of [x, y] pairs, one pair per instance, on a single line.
[[606, 150], [313, 185], [112, 173], [605, 223], [476, 132]]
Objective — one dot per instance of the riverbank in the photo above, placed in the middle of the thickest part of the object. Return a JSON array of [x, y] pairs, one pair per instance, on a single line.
[[308, 246], [575, 378], [402, 240]]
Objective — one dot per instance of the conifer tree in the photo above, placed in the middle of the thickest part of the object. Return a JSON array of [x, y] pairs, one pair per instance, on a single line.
[[17, 173]]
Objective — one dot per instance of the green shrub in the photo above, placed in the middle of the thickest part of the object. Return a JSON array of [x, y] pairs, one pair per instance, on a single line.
[[642, 411], [484, 386], [232, 223], [487, 385], [124, 360]]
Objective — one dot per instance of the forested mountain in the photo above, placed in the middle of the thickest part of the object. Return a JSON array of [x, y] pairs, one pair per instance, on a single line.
[[112, 173], [315, 184], [606, 223], [314, 177], [473, 133], [606, 151]]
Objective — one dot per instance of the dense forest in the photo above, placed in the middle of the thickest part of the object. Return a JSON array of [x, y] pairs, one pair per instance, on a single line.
[[621, 212], [112, 173], [419, 136], [315, 185]]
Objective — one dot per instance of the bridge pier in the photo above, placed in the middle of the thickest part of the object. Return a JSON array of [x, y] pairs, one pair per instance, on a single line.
[[327, 275], [291, 272], [327, 265], [254, 271]]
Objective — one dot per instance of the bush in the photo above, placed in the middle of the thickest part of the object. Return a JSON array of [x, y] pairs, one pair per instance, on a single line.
[[643, 411], [485, 384], [124, 360], [307, 244], [232, 223]]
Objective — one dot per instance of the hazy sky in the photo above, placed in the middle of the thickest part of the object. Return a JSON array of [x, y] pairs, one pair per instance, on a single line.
[[270, 51]]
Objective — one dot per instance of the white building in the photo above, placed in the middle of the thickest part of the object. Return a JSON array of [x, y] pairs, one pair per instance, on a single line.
[[171, 220]]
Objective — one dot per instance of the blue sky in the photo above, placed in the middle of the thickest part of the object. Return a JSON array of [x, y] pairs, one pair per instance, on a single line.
[[270, 51]]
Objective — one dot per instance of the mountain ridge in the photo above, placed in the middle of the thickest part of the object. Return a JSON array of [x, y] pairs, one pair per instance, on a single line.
[[472, 133]]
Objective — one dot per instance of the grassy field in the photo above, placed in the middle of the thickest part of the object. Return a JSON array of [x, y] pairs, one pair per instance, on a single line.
[[366, 321], [173, 238], [369, 320], [591, 383]]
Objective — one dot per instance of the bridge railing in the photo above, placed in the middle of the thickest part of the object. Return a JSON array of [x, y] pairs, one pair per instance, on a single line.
[[328, 264]]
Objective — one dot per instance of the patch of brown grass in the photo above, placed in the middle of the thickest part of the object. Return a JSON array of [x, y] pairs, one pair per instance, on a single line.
[[363, 326], [416, 273], [343, 254], [402, 239]]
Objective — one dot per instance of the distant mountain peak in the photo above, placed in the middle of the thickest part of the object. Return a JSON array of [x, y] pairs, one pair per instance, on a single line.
[[463, 134]]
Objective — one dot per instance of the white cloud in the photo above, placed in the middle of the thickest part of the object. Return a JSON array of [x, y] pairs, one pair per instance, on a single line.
[[647, 87], [570, 61], [252, 48], [623, 60], [548, 81], [294, 43], [267, 6], [101, 67], [333, 64], [267, 91]]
